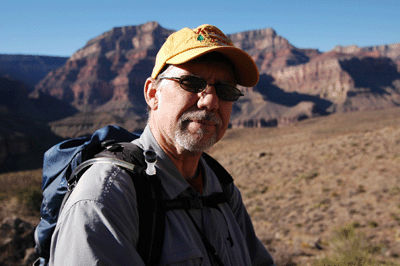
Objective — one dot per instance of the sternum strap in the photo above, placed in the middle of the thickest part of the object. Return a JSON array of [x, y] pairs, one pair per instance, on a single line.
[[188, 203]]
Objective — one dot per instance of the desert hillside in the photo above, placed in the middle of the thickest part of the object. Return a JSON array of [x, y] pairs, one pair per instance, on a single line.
[[301, 184]]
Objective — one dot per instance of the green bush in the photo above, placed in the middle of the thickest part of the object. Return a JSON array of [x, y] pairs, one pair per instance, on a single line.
[[349, 247], [3, 196], [31, 197]]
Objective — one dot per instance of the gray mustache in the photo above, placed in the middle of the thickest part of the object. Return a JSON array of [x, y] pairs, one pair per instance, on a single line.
[[201, 115]]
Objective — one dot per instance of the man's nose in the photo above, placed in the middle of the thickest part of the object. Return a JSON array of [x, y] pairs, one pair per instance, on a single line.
[[208, 98]]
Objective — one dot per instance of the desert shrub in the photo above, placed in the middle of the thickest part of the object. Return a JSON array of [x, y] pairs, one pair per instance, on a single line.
[[348, 247], [31, 197], [308, 176], [373, 224], [3, 196]]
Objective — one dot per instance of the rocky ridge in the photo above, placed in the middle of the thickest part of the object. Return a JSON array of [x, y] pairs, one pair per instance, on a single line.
[[109, 70], [391, 51], [107, 76], [271, 51], [29, 68]]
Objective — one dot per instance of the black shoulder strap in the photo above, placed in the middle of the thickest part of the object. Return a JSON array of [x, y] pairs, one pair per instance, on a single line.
[[148, 192], [224, 177]]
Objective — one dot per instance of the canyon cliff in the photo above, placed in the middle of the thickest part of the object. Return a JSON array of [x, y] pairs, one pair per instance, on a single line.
[[105, 79], [102, 83]]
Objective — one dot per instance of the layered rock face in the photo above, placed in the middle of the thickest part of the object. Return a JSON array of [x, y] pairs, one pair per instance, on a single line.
[[350, 82], [105, 78], [271, 51], [391, 51], [109, 72]]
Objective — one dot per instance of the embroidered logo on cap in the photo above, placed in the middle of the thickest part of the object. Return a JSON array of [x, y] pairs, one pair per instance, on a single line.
[[212, 35]]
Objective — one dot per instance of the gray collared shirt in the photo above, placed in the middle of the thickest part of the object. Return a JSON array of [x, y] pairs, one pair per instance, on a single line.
[[99, 223]]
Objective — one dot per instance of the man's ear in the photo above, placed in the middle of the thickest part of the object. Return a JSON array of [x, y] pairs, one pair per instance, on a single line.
[[150, 93]]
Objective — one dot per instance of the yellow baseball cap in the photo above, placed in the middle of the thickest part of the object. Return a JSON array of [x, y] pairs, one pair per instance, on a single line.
[[188, 44]]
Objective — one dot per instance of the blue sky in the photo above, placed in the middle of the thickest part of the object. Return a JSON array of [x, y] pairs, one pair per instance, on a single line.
[[51, 27]]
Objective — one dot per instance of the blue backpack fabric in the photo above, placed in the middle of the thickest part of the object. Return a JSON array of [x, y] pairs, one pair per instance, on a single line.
[[58, 164]]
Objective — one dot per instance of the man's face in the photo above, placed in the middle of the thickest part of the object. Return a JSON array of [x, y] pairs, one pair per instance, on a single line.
[[186, 121]]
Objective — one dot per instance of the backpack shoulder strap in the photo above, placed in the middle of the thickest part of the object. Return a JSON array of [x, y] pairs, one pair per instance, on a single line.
[[148, 192], [223, 176]]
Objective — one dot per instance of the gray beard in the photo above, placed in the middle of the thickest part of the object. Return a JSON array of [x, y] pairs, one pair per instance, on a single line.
[[196, 142]]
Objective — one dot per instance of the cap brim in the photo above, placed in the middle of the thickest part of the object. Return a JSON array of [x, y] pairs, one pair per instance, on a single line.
[[246, 70]]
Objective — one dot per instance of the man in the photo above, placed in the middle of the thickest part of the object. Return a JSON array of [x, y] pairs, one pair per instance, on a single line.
[[190, 96]]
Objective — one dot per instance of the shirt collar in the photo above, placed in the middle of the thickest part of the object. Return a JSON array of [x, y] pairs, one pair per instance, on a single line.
[[171, 179]]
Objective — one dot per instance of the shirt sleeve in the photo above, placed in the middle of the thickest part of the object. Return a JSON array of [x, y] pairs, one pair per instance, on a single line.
[[99, 223], [258, 253]]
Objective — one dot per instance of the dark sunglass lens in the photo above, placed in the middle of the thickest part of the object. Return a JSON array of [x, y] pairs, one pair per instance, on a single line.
[[193, 84], [228, 93]]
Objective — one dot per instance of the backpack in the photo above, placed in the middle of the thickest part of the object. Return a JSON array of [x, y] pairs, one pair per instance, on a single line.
[[64, 163]]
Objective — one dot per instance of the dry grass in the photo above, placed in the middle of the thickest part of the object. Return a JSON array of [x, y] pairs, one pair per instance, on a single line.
[[20, 195], [302, 185]]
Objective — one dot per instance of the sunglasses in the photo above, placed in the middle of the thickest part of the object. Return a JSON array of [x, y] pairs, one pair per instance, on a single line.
[[195, 85]]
